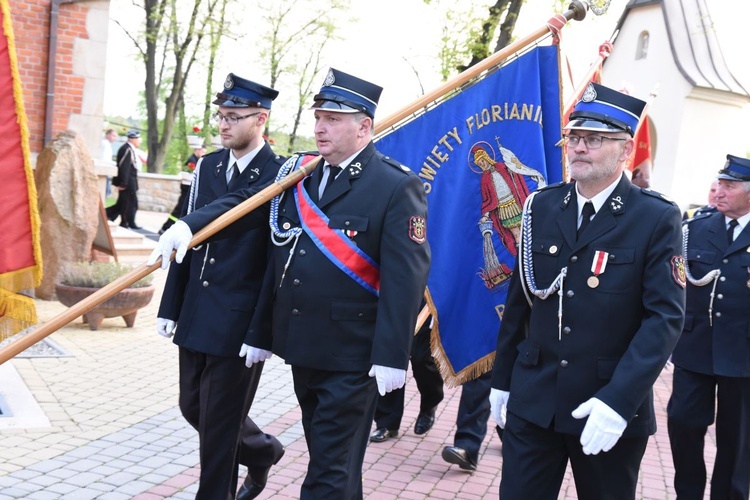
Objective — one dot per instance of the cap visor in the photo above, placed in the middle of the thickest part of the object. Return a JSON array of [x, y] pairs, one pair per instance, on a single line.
[[335, 107], [593, 125]]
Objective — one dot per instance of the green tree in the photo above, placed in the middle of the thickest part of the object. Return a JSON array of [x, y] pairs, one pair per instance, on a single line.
[[169, 45]]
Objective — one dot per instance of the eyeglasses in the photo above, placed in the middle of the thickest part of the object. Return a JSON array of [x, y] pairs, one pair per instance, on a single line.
[[591, 141], [231, 119]]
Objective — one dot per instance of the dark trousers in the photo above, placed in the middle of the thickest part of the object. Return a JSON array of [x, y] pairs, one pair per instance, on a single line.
[[390, 408], [534, 462], [125, 207], [337, 412], [177, 211], [689, 413], [473, 413], [215, 397]]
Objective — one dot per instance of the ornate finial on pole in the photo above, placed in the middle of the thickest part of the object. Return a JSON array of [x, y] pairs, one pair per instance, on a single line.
[[599, 7]]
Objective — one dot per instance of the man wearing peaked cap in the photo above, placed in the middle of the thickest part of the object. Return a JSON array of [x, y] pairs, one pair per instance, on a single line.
[[595, 306], [212, 295], [711, 380], [344, 93], [126, 182]]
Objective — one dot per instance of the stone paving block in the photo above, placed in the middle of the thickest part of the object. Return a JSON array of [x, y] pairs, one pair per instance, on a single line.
[[62, 473], [113, 495], [134, 487], [120, 478], [62, 488], [45, 480], [84, 464], [43, 495], [84, 479], [82, 494]]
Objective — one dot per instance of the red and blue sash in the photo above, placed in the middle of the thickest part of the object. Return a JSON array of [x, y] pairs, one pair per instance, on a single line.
[[335, 244]]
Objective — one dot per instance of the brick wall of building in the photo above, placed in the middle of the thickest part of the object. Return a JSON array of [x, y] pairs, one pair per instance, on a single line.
[[31, 21]]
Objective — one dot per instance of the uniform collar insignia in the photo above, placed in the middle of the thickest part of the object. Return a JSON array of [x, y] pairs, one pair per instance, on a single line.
[[566, 200], [354, 169], [616, 203]]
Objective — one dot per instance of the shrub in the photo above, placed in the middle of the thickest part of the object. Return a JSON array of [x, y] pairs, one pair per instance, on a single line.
[[98, 274]]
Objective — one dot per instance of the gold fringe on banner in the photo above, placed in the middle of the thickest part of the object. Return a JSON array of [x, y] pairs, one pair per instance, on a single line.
[[18, 311]]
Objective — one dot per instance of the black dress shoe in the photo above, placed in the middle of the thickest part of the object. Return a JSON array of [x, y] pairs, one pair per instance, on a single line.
[[459, 456], [382, 434], [425, 421], [133, 226], [255, 481]]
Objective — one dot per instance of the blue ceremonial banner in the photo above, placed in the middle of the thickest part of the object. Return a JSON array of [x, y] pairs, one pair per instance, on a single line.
[[479, 154]]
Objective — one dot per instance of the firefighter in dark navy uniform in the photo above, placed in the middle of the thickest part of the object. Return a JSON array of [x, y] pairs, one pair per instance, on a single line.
[[350, 271], [712, 359], [211, 296], [595, 307]]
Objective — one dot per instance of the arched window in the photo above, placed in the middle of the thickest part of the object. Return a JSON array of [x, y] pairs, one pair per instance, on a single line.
[[642, 50]]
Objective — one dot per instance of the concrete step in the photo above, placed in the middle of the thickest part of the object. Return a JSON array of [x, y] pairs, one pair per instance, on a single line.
[[131, 246]]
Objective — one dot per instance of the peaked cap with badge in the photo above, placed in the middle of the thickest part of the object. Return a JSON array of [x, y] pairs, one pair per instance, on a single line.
[[241, 93], [344, 93], [735, 169], [602, 109], [133, 134]]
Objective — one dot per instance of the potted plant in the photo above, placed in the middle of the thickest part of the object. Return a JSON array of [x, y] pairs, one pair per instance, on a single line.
[[78, 280]]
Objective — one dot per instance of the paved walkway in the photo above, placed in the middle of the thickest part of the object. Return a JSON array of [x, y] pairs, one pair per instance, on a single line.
[[115, 431]]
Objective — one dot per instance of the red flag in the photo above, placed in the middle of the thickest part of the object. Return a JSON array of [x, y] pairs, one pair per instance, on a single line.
[[640, 160], [20, 254]]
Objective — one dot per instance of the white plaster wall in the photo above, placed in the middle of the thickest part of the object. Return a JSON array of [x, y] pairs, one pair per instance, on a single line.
[[712, 127], [656, 73]]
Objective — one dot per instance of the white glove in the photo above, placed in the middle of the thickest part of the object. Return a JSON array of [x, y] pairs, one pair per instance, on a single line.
[[165, 327], [603, 428], [388, 379], [499, 405], [177, 238], [253, 355]]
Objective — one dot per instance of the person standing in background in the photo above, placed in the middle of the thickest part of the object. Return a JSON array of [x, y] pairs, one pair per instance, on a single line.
[[126, 181], [711, 380]]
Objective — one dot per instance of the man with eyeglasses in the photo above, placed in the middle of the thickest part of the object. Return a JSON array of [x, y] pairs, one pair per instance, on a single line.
[[711, 380], [595, 306], [211, 296]]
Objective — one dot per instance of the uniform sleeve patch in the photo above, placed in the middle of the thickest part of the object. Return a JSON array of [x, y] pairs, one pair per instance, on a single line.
[[418, 229], [678, 270]]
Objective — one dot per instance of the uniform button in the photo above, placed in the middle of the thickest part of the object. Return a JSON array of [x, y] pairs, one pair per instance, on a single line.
[[303, 252], [295, 312], [725, 261], [360, 315], [347, 223], [569, 294], [566, 330], [564, 363], [574, 259], [205, 284], [295, 282], [720, 296], [212, 261], [723, 278], [718, 314]]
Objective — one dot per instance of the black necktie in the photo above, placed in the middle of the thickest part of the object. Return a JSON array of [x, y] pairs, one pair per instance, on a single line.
[[333, 171], [587, 213], [235, 171], [730, 230]]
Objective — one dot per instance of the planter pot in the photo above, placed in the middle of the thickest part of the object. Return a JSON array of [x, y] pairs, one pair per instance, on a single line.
[[125, 303]]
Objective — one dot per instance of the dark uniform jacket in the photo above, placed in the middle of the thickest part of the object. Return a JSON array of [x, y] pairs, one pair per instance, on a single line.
[[127, 168], [322, 318], [723, 349], [615, 338], [213, 294]]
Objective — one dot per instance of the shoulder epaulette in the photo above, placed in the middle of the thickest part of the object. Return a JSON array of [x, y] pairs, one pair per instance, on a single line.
[[658, 195], [553, 186], [215, 152], [390, 161], [698, 216]]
